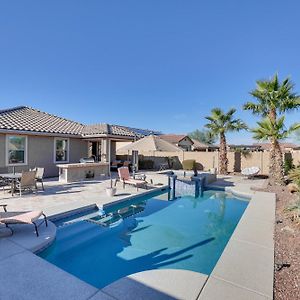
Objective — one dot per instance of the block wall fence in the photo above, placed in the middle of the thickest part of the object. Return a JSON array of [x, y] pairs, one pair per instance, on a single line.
[[237, 161]]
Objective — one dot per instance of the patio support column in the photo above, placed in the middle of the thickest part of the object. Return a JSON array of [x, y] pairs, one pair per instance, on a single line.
[[109, 151], [106, 150], [105, 156]]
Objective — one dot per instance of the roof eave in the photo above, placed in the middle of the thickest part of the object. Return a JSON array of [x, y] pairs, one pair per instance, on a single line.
[[109, 136], [28, 132]]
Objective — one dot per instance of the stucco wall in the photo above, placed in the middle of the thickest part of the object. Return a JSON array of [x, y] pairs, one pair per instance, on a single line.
[[258, 159], [204, 160], [296, 157], [2, 151], [121, 144], [207, 160], [112, 151], [41, 154]]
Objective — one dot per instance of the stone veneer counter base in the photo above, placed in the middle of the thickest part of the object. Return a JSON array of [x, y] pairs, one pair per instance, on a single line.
[[82, 171]]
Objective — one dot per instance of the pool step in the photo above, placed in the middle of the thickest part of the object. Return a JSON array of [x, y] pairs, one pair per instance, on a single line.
[[78, 237]]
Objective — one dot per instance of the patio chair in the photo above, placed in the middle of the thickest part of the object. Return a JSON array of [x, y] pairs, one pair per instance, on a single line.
[[4, 183], [128, 164], [27, 182], [250, 172], [39, 176], [115, 165], [124, 176], [28, 217]]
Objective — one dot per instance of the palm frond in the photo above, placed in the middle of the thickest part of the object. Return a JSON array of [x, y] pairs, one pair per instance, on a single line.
[[273, 95], [273, 130], [221, 122]]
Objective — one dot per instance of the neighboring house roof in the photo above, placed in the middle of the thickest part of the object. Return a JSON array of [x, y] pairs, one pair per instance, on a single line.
[[267, 146], [200, 145], [144, 132], [174, 138], [245, 146], [23, 118]]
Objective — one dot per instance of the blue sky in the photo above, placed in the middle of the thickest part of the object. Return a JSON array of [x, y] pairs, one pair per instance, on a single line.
[[159, 64]]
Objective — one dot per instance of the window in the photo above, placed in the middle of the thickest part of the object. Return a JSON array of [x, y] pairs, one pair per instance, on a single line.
[[16, 150], [61, 150]]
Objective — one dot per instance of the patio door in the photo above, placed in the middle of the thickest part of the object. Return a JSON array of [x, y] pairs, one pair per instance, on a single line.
[[96, 150]]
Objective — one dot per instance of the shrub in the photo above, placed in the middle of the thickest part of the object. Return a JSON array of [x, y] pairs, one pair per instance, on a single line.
[[288, 164], [294, 208], [294, 175], [189, 164]]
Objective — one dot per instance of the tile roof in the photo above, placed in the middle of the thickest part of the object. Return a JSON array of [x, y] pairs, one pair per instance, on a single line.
[[173, 138], [201, 145], [103, 128], [23, 118], [28, 119]]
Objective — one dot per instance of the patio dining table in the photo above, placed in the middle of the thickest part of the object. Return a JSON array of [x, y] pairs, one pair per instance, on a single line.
[[13, 178]]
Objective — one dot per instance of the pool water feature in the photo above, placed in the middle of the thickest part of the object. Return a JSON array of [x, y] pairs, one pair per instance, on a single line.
[[146, 233]]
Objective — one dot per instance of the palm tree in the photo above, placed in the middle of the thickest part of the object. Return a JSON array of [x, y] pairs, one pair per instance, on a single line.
[[219, 124], [267, 129], [273, 98]]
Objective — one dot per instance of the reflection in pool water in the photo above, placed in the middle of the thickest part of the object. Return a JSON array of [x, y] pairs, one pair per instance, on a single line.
[[187, 233]]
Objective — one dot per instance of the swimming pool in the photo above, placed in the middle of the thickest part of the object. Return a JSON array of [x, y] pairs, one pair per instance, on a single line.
[[146, 233]]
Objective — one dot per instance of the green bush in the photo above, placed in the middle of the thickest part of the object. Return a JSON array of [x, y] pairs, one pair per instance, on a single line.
[[146, 164], [288, 165], [189, 164]]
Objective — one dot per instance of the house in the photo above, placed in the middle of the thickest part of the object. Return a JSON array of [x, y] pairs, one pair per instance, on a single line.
[[30, 138], [199, 146], [285, 147], [180, 140]]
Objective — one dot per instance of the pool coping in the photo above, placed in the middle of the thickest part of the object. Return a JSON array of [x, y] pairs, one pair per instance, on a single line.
[[246, 266], [235, 277]]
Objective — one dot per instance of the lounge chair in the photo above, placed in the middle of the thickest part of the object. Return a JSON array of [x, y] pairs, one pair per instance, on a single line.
[[27, 182], [250, 172], [29, 217], [124, 176]]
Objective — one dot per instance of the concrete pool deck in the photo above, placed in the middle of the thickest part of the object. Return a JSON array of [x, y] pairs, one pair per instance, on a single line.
[[61, 197], [244, 271]]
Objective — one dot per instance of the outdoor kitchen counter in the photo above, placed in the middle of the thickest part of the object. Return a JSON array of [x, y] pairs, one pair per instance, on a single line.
[[82, 171]]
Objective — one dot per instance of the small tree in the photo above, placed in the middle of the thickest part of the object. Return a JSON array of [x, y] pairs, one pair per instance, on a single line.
[[219, 124], [273, 98], [203, 136], [274, 131]]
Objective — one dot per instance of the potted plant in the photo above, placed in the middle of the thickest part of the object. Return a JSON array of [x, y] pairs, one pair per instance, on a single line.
[[111, 191]]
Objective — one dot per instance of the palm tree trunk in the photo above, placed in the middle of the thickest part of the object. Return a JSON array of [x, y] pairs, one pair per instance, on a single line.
[[272, 115], [276, 173], [223, 162]]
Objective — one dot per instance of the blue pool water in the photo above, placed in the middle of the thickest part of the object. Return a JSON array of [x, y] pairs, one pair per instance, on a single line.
[[187, 233]]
